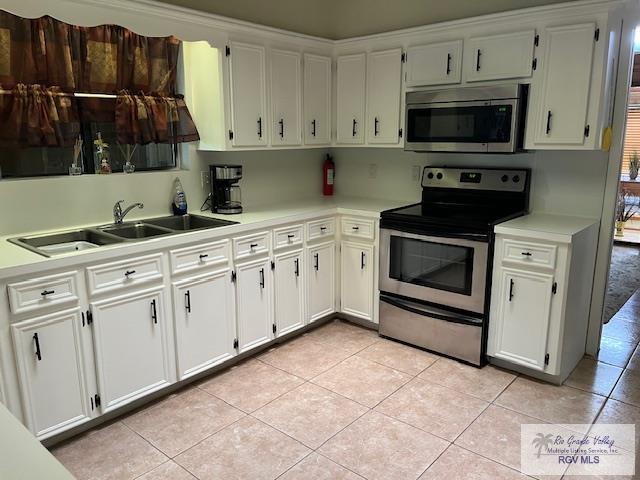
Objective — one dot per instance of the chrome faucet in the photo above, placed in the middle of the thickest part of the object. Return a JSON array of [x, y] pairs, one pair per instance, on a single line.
[[119, 214]]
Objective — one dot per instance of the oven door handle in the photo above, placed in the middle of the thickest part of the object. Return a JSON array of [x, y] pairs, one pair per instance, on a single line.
[[432, 312]]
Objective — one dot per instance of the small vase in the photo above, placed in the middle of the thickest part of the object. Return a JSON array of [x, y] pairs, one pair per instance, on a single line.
[[620, 228]]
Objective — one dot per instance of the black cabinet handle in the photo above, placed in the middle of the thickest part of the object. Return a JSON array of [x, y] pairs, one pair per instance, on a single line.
[[44, 293], [291, 235], [129, 272], [355, 227], [154, 311], [187, 299], [527, 254], [313, 127], [353, 131], [511, 283], [376, 126], [478, 60], [362, 260], [316, 261], [203, 256], [322, 229], [297, 267], [260, 127], [262, 278], [549, 115], [37, 342], [448, 63], [281, 123], [253, 245]]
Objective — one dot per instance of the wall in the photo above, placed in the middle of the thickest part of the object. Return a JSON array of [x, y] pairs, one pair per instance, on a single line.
[[569, 183]]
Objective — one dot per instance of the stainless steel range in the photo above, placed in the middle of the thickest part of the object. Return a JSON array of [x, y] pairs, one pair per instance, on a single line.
[[435, 260]]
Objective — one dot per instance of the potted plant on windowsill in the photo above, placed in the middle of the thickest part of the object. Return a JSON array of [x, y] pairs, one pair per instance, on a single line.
[[628, 206], [634, 165]]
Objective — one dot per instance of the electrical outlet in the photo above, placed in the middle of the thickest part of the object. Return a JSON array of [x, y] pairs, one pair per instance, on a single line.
[[373, 170], [415, 173], [204, 179]]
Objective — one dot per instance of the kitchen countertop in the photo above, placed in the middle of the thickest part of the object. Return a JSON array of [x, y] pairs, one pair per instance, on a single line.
[[16, 260], [24, 457], [544, 226]]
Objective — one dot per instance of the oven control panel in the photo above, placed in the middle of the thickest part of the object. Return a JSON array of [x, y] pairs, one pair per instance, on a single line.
[[512, 180]]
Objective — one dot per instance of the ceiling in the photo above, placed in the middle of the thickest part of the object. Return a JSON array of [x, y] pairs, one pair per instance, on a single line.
[[338, 19]]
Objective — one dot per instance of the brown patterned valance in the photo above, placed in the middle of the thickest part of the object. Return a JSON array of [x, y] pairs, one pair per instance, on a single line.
[[59, 58]]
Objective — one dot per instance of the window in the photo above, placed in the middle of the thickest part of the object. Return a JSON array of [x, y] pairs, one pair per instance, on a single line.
[[74, 84]]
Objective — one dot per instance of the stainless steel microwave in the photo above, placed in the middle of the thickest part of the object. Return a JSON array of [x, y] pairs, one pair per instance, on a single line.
[[466, 119]]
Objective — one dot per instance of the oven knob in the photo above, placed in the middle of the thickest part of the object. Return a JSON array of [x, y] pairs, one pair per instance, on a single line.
[[430, 175], [439, 176], [504, 178], [516, 178]]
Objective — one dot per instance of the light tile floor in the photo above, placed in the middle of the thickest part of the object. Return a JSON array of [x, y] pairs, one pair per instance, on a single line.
[[342, 403]]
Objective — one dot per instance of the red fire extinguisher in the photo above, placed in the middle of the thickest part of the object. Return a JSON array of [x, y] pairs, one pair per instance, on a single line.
[[329, 172]]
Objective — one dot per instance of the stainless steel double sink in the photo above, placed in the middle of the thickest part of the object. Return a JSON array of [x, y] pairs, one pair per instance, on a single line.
[[93, 237]]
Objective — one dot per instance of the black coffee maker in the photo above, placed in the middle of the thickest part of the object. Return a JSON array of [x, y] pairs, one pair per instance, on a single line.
[[225, 191]]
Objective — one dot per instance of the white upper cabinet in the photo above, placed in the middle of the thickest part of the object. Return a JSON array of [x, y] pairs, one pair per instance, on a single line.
[[248, 95], [350, 107], [317, 100], [434, 64], [558, 115], [286, 98], [496, 57], [384, 90]]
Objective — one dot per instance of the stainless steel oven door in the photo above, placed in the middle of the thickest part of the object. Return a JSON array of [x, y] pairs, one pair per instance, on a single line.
[[445, 271]]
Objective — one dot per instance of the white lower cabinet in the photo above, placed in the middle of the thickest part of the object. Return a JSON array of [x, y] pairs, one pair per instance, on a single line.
[[289, 292], [205, 321], [254, 293], [131, 350], [357, 279], [321, 297], [524, 308], [52, 365]]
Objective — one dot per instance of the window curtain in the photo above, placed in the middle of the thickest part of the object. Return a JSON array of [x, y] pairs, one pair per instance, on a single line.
[[44, 61]]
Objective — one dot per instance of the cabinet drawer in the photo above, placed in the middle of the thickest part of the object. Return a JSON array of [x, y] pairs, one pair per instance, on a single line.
[[199, 257], [43, 292], [325, 227], [358, 227], [249, 245], [527, 253], [287, 236], [124, 274]]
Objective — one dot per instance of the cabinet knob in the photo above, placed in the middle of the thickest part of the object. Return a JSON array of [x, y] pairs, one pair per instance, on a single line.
[[45, 293], [128, 273], [526, 254], [203, 256]]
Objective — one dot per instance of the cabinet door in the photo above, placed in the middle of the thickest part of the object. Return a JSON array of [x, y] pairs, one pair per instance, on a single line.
[[286, 98], [51, 364], [254, 299], [563, 104], [357, 279], [317, 99], [131, 348], [321, 280], [289, 292], [520, 332], [435, 64], [204, 322], [248, 97], [495, 57], [350, 105], [384, 89]]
